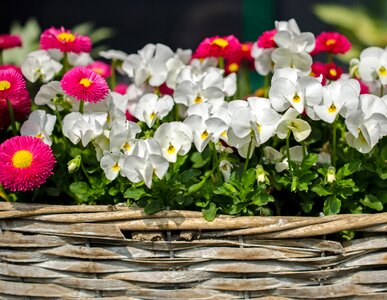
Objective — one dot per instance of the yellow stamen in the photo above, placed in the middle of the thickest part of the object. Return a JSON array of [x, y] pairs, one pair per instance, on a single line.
[[171, 149], [152, 116], [22, 159], [224, 134], [39, 135], [234, 67], [4, 85], [198, 99], [245, 47], [332, 108], [98, 71], [259, 127], [86, 82], [296, 98], [126, 146], [204, 135], [293, 125], [220, 42], [116, 167], [333, 72], [382, 71], [66, 37], [330, 42]]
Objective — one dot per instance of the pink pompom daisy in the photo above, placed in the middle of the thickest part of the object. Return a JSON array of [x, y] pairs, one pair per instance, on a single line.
[[25, 163], [64, 40], [12, 83], [13, 67], [333, 71], [227, 47], [101, 68], [21, 105], [9, 41], [318, 69], [266, 40], [331, 42], [121, 88], [84, 84]]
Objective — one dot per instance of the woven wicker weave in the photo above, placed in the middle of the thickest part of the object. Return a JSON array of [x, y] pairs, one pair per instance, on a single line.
[[121, 253]]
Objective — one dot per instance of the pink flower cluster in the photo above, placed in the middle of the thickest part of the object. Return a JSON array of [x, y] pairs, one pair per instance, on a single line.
[[64, 40]]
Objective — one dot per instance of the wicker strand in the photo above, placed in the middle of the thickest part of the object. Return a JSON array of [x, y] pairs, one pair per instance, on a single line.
[[244, 276]]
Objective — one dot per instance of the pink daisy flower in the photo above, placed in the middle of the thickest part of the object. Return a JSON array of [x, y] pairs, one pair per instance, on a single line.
[[364, 89], [318, 68], [12, 83], [101, 68], [227, 47], [84, 84], [21, 105], [25, 163], [9, 41], [64, 40], [266, 40], [121, 88], [333, 72], [331, 42], [232, 67], [13, 67]]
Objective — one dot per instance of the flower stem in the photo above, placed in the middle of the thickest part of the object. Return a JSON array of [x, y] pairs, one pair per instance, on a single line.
[[221, 62], [113, 76], [81, 106], [266, 86], [12, 117], [247, 158], [381, 90], [58, 116], [288, 153], [334, 141], [65, 62], [1, 57]]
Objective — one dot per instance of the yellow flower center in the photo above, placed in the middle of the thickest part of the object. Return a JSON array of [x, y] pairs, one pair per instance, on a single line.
[[382, 71], [296, 98], [333, 72], [204, 135], [220, 42], [330, 42], [171, 149], [66, 37], [86, 82], [98, 71], [224, 134], [152, 115], [116, 167], [39, 135], [259, 128], [22, 159], [198, 99], [4, 85], [245, 47], [126, 146], [234, 67], [332, 108]]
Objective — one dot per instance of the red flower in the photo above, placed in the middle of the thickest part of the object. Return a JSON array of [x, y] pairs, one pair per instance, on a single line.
[[12, 83], [318, 69], [101, 68], [333, 72], [64, 40], [232, 67], [165, 90], [266, 40], [121, 88], [21, 105], [331, 42], [12, 67], [227, 47], [364, 89], [9, 41]]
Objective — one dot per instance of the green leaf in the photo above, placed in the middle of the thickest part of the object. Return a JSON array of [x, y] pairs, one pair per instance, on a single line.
[[307, 205], [309, 161], [153, 207], [261, 199], [198, 160], [209, 213], [134, 193], [321, 191], [187, 175], [113, 191], [79, 188], [249, 178], [332, 206], [348, 169], [372, 202], [294, 185]]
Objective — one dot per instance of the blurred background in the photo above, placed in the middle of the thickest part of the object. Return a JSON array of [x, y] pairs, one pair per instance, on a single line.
[[129, 25]]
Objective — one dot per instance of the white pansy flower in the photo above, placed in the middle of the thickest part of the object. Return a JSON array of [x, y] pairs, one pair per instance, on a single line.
[[74, 59], [150, 108], [373, 64], [296, 154], [39, 64], [289, 90], [290, 123], [225, 168], [112, 164], [145, 161], [40, 125], [176, 64], [49, 93], [204, 127], [118, 105], [101, 145], [338, 97], [83, 127], [113, 54], [175, 138], [149, 64], [123, 136], [262, 59]]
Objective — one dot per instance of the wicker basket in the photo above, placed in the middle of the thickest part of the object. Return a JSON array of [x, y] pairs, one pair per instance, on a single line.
[[121, 253]]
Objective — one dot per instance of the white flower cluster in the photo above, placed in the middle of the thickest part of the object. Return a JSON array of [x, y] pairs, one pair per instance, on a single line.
[[200, 90]]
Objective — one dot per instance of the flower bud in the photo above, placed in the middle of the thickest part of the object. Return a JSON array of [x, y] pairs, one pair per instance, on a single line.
[[261, 174], [73, 165], [331, 174], [225, 167]]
